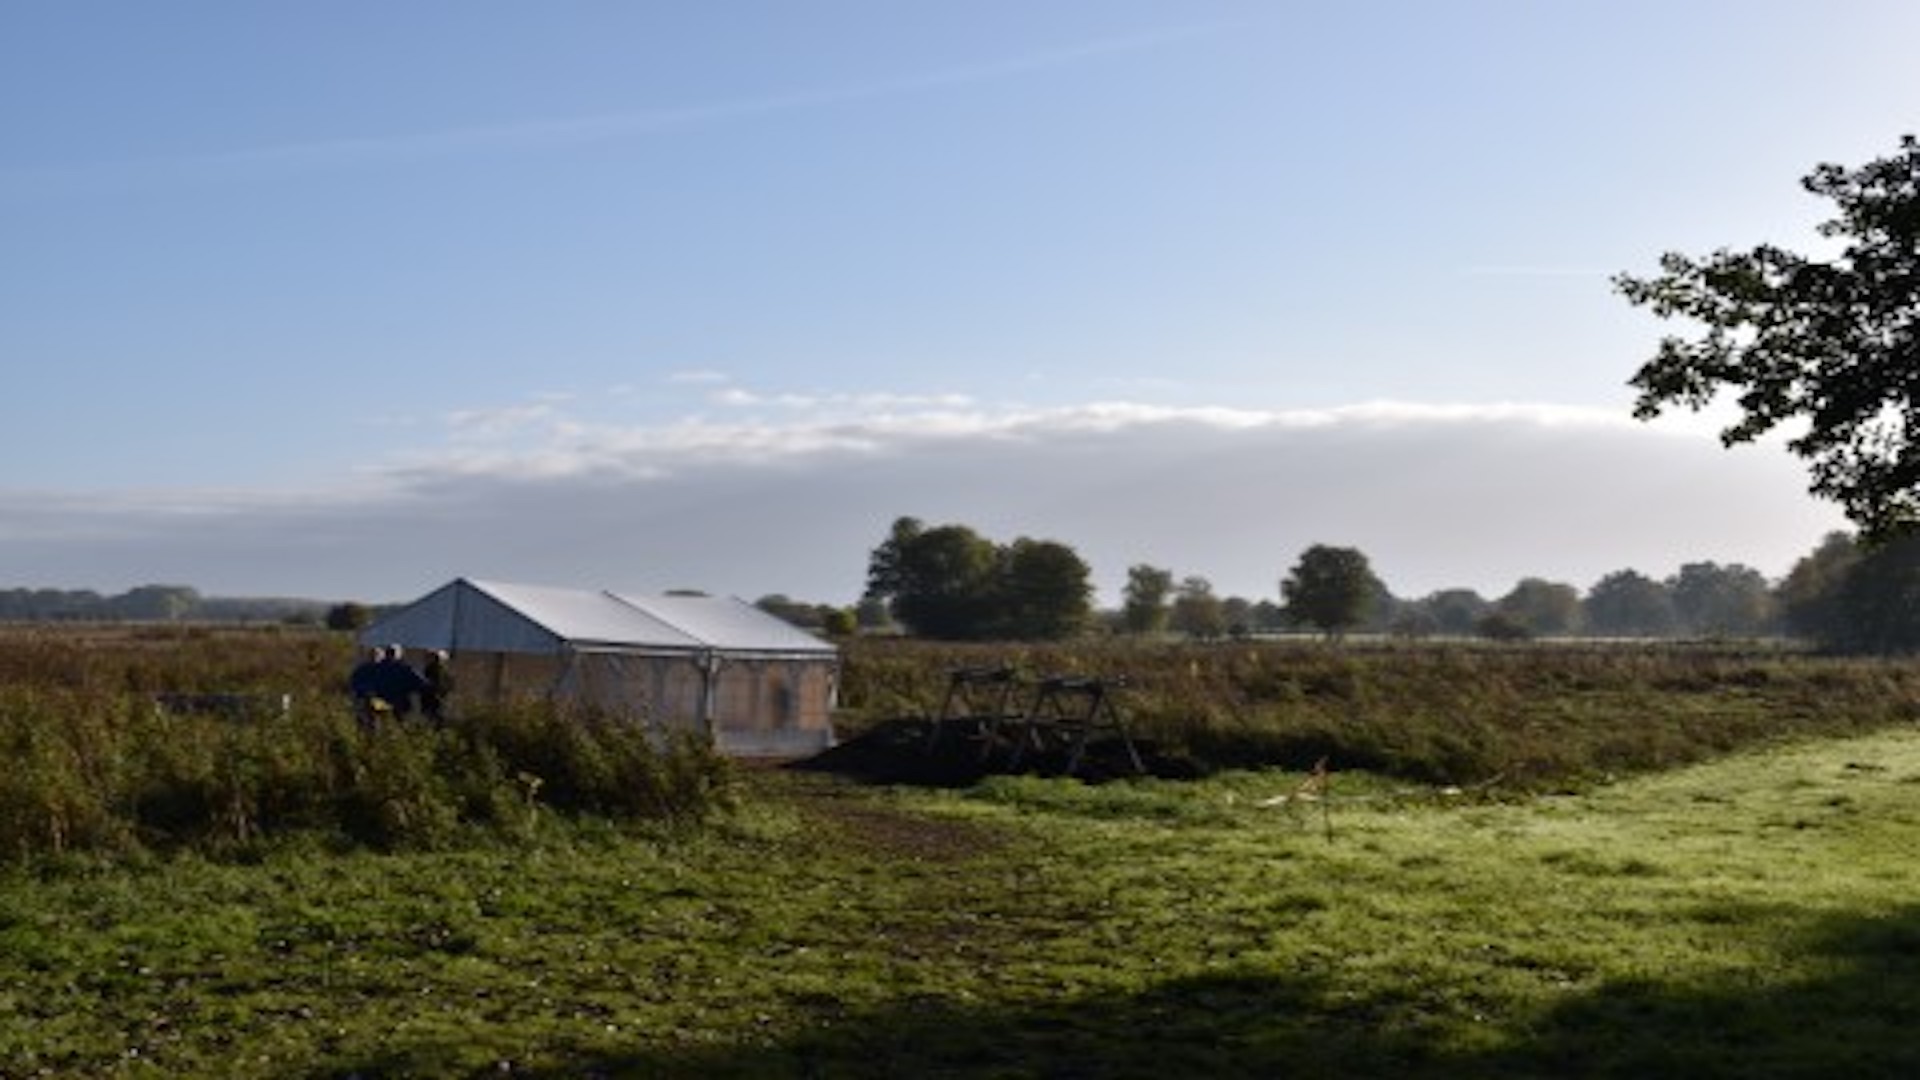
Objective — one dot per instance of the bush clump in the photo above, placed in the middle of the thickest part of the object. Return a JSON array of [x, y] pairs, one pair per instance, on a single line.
[[94, 771]]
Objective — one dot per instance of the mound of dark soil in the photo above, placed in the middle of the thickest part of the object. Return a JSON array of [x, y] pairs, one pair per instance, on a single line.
[[958, 754]]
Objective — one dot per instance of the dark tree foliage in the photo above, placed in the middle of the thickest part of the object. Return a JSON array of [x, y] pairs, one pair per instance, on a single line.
[[1332, 589], [1834, 343], [818, 618], [1456, 611], [1854, 599], [951, 583], [1808, 598], [1627, 603], [1145, 607], [1880, 596], [1042, 592], [1721, 601], [47, 604], [1541, 606], [938, 580], [348, 616], [1499, 626], [1198, 611]]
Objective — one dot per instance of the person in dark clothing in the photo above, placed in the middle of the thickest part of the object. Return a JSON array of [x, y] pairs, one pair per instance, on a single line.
[[397, 683], [364, 684], [439, 680]]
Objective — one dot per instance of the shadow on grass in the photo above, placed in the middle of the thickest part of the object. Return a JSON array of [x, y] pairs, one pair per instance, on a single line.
[[1859, 1021], [1862, 1020]]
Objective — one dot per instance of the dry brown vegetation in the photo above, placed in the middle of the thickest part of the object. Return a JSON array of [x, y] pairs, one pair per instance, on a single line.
[[1529, 715]]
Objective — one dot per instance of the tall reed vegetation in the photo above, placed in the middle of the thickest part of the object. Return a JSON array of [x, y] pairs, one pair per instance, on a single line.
[[95, 764], [1529, 715]]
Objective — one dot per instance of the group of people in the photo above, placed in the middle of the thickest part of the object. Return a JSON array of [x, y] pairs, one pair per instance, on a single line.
[[386, 684]]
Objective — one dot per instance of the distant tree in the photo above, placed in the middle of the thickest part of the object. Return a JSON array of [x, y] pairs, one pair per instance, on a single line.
[[1808, 598], [1497, 625], [803, 615], [1265, 615], [887, 576], [1330, 589], [1387, 611], [949, 582], [1542, 607], [871, 613], [1721, 601], [1197, 612], [841, 623], [1413, 619], [939, 580], [1044, 591], [1833, 343], [260, 609], [1627, 603], [1239, 614], [1145, 605], [161, 603], [1880, 599], [348, 616], [1456, 611], [51, 604]]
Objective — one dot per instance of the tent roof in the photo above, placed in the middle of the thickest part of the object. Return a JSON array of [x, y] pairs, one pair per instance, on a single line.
[[726, 622], [505, 617], [582, 617]]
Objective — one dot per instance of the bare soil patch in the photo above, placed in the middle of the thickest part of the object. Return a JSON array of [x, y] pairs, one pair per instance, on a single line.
[[959, 754]]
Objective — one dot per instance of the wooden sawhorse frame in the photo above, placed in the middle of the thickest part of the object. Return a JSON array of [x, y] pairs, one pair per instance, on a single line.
[[980, 696], [1070, 709]]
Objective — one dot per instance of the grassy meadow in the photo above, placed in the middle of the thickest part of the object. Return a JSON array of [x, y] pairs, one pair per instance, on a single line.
[[1725, 889]]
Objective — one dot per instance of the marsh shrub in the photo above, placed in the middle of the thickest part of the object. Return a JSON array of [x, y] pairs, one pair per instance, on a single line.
[[58, 789], [1529, 715], [94, 764], [589, 761]]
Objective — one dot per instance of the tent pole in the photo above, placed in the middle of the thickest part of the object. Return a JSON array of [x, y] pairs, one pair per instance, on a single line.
[[709, 691]]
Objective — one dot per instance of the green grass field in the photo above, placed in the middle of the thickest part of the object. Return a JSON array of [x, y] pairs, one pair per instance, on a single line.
[[1751, 917]]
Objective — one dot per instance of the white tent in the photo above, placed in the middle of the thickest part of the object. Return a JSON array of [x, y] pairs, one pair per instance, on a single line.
[[757, 684]]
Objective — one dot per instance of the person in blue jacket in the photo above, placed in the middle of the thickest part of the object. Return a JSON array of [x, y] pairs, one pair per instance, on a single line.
[[364, 684], [397, 683]]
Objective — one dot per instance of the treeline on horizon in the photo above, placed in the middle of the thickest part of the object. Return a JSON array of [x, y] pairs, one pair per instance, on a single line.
[[1843, 595], [947, 582], [153, 603]]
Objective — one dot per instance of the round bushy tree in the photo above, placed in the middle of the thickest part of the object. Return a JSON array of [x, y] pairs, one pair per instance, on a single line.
[[1331, 589]]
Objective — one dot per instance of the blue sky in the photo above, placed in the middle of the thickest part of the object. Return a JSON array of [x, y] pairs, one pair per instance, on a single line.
[[348, 299]]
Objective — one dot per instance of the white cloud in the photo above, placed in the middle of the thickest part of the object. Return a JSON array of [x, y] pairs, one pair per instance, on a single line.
[[838, 403], [698, 378], [1437, 495], [485, 424]]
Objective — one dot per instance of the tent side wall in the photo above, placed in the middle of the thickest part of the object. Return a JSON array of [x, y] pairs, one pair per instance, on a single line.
[[774, 705], [660, 691]]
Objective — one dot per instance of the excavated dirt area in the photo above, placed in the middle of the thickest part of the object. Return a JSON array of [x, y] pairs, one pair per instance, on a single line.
[[837, 811], [829, 789], [909, 751]]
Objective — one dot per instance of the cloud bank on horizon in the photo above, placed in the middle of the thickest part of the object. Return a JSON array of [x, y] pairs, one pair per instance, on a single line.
[[789, 493]]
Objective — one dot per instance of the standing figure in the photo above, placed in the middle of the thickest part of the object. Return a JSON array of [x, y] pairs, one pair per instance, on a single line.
[[397, 683], [439, 680], [364, 685]]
